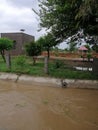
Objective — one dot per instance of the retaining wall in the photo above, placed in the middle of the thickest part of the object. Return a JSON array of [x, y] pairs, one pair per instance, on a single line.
[[46, 81]]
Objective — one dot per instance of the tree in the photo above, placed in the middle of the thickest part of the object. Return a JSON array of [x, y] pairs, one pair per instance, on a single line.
[[5, 45], [65, 17], [47, 42], [95, 48], [72, 46], [33, 49], [87, 16]]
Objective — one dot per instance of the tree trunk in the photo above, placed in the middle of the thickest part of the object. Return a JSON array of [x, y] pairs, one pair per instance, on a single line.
[[34, 60], [48, 51], [2, 54]]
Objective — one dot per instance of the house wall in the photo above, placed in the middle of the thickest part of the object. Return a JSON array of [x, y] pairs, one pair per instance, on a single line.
[[19, 40]]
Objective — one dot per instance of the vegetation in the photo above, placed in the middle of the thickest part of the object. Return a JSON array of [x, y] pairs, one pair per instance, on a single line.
[[72, 46], [5, 45], [95, 48], [64, 18], [87, 15], [33, 49], [47, 42], [68, 18], [20, 61], [57, 68]]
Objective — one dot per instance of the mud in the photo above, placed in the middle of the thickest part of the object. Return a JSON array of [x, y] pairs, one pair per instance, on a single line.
[[37, 107]]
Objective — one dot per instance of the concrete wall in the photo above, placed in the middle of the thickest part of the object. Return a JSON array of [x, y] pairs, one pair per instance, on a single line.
[[51, 82]]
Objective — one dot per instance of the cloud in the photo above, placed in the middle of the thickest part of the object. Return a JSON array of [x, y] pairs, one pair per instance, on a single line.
[[23, 3], [18, 14]]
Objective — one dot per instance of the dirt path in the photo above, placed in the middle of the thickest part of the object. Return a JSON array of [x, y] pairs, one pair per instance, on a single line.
[[37, 107]]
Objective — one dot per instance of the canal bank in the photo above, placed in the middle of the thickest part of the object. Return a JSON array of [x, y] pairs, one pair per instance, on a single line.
[[49, 81]]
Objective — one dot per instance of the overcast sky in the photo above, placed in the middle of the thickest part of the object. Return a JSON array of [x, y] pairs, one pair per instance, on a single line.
[[18, 14]]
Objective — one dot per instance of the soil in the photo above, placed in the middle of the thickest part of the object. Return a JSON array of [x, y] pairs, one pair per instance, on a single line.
[[37, 107]]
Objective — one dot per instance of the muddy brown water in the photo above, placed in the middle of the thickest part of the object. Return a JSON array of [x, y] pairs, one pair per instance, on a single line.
[[37, 107]]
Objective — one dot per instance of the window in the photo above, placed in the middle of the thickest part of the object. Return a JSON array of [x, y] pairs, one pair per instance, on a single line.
[[14, 44]]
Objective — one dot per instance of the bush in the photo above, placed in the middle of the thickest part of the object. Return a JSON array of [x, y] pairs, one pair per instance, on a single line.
[[58, 64], [20, 60]]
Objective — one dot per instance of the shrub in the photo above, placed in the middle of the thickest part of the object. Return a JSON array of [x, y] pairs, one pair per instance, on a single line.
[[20, 60], [58, 64]]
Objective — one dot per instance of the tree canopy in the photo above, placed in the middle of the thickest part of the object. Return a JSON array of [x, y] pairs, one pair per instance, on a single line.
[[64, 18], [5, 45], [33, 49], [47, 42]]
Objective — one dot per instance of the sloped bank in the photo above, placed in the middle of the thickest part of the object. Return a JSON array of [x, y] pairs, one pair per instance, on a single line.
[[48, 81]]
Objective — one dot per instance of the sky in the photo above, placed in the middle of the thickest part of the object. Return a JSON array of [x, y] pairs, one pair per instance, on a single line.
[[17, 14]]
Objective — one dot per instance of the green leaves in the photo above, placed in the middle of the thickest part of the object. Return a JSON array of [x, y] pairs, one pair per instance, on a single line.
[[33, 49], [86, 16], [5, 44], [64, 18]]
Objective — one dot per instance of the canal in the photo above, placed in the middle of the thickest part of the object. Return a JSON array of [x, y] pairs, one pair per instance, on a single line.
[[37, 107]]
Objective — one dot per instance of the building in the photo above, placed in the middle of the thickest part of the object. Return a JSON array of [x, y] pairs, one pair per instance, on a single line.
[[19, 40]]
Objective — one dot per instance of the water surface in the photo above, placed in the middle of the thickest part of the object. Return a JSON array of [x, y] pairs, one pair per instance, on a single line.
[[37, 107]]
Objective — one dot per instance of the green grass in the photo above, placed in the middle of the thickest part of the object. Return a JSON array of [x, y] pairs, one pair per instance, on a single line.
[[26, 68], [55, 70], [72, 74]]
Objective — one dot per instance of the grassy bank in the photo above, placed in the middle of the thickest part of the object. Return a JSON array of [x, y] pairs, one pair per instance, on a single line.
[[24, 65]]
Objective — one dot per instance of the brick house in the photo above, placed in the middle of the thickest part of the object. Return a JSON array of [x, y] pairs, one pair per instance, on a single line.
[[19, 40]]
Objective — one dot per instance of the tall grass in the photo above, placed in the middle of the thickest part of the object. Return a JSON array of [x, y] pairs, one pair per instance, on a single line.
[[24, 65]]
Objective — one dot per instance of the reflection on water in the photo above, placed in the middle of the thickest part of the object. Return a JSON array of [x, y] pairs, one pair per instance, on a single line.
[[31, 107]]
